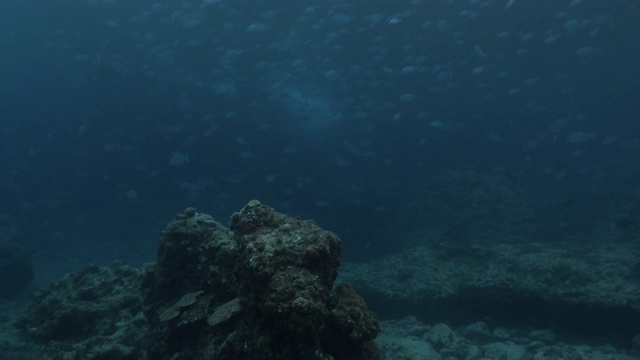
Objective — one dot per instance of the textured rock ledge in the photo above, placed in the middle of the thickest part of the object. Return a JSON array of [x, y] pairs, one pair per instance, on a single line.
[[595, 294], [410, 339], [260, 290]]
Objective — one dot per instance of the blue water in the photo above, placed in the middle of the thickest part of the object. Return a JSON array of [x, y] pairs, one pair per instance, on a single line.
[[331, 110]]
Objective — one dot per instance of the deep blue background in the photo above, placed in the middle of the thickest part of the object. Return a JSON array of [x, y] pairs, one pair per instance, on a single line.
[[97, 96]]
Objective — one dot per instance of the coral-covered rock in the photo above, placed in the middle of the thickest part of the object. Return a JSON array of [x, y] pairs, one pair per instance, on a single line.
[[288, 267], [97, 311], [196, 253], [283, 257], [351, 325]]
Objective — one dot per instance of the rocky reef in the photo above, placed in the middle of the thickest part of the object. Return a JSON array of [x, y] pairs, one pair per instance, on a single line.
[[262, 289], [94, 314]]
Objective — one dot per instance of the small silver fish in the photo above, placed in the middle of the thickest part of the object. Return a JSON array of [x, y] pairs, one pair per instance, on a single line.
[[579, 137], [178, 159]]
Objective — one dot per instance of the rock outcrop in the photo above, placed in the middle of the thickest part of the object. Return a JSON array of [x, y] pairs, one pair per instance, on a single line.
[[259, 290]]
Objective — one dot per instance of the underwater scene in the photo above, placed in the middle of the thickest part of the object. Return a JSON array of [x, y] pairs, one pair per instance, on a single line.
[[320, 179]]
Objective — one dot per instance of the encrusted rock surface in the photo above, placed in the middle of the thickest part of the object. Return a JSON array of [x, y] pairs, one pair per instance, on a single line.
[[288, 267], [94, 314], [261, 290], [196, 253]]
